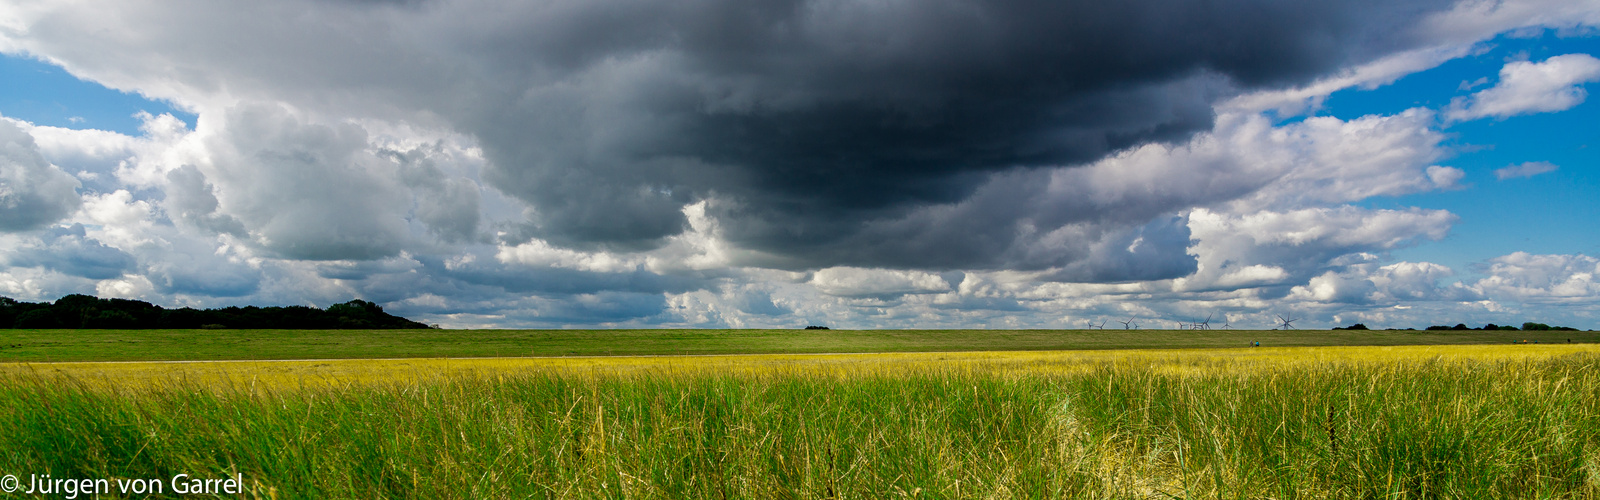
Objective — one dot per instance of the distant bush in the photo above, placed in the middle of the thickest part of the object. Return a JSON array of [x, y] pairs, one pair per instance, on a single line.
[[815, 327], [1357, 326]]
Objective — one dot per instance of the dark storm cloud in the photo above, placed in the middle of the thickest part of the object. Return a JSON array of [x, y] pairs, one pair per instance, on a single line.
[[819, 120], [827, 132]]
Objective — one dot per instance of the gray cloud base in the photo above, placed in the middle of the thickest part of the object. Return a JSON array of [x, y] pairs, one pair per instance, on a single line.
[[33, 193], [70, 251]]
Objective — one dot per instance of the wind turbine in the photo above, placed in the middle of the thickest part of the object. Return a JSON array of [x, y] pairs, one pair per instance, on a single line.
[[1102, 325], [1287, 324], [1126, 323], [1205, 325]]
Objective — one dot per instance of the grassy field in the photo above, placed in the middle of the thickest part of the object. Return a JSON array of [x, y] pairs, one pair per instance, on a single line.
[[251, 375], [1493, 421], [194, 345]]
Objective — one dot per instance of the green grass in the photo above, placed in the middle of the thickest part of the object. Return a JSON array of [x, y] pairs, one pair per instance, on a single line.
[[1419, 429], [157, 345]]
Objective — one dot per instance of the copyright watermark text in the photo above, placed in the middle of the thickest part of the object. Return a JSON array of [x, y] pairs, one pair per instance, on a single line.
[[72, 488]]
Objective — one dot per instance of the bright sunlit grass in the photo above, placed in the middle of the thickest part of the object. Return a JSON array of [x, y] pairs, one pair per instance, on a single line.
[[1337, 422]]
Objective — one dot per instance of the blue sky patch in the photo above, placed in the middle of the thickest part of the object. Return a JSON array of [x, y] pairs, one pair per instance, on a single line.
[[1544, 213], [45, 94]]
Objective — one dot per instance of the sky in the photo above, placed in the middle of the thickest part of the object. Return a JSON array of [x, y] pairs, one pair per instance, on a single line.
[[783, 163]]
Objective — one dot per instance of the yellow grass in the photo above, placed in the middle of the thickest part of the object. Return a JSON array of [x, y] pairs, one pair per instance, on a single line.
[[1179, 362]]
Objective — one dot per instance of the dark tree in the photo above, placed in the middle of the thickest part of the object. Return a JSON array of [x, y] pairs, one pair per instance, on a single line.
[[111, 320], [39, 318]]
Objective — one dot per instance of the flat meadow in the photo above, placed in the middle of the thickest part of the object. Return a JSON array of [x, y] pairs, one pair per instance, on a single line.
[[203, 345], [1389, 421]]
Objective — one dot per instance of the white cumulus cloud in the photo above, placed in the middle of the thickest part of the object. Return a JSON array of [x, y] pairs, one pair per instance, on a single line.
[[858, 282], [1560, 279], [1554, 84]]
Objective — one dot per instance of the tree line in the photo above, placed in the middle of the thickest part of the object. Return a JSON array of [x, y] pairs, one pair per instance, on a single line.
[[84, 311], [1528, 326]]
